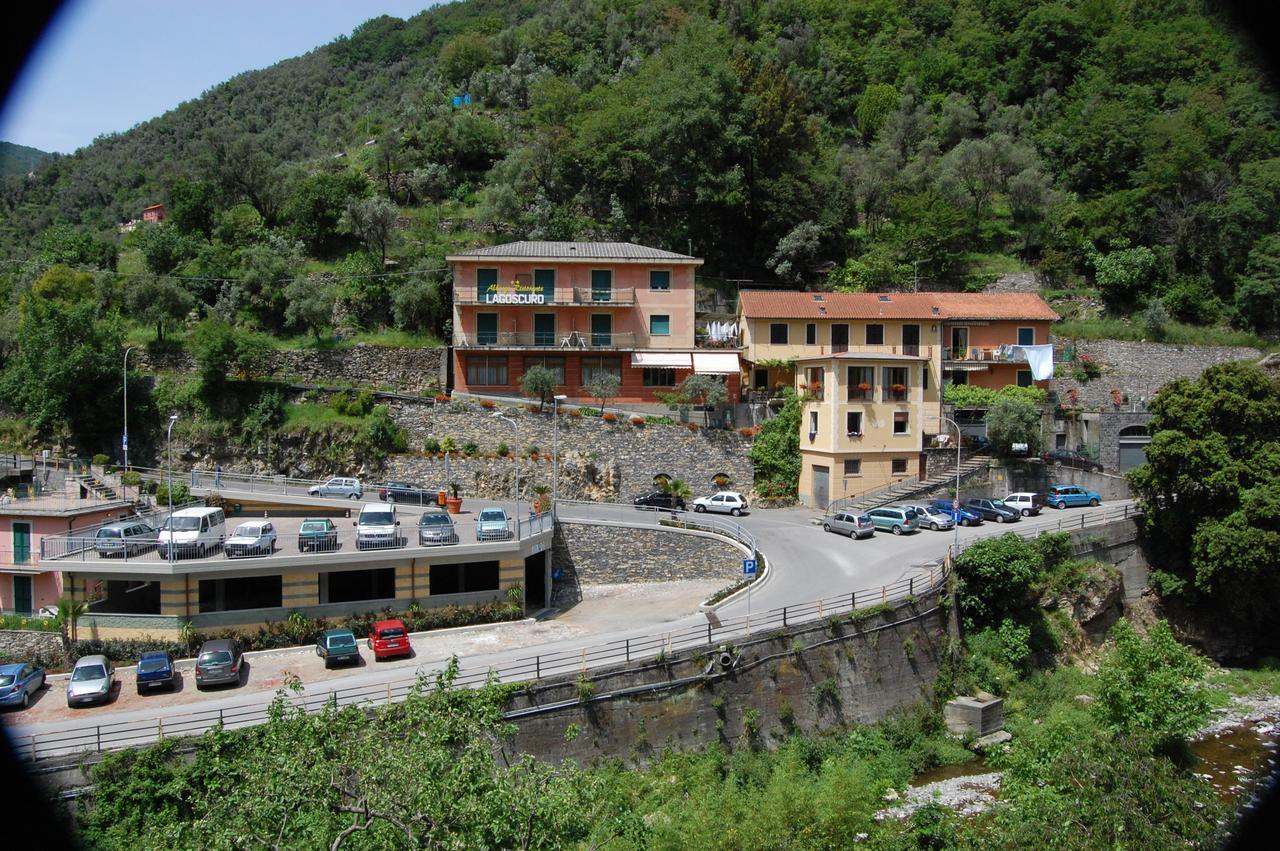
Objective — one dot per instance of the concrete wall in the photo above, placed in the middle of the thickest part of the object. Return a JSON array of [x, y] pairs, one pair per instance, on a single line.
[[1037, 477], [1120, 544], [810, 678], [418, 369]]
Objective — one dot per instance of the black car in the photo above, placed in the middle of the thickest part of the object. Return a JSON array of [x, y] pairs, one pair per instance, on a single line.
[[993, 509], [407, 492], [1068, 458], [660, 499]]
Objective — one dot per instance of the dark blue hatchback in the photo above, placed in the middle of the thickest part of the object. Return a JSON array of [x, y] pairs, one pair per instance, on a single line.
[[156, 670], [963, 516]]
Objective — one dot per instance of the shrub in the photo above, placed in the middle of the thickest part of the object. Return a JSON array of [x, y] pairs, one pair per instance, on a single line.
[[589, 412], [658, 419], [131, 478], [487, 404], [181, 493], [100, 460], [532, 451], [1151, 686], [448, 445], [747, 431], [637, 421], [441, 397], [575, 413], [609, 417], [503, 450], [470, 448], [431, 446], [692, 426]]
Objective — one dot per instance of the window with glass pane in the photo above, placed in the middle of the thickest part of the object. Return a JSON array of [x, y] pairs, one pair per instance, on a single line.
[[924, 377], [486, 370], [601, 329], [659, 325], [811, 334], [853, 466], [659, 279], [875, 335], [1026, 336], [901, 422], [1024, 378], [486, 328], [778, 333], [553, 364], [593, 366], [545, 282], [895, 383], [659, 376], [486, 279], [899, 466], [853, 422], [544, 329], [861, 383], [601, 285], [813, 423]]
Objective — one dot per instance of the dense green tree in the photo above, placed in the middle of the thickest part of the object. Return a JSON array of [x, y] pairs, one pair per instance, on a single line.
[[373, 221], [998, 576], [1215, 455], [157, 299], [163, 247], [316, 204], [75, 247], [310, 301], [1013, 420], [193, 207], [1258, 290], [539, 383], [775, 452]]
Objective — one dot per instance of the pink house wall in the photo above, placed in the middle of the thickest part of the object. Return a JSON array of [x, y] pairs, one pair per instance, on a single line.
[[46, 585]]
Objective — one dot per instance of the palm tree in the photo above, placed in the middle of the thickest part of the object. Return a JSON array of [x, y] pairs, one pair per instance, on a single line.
[[679, 489], [70, 610]]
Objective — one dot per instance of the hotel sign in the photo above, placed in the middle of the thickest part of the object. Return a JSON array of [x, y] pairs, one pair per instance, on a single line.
[[520, 290]]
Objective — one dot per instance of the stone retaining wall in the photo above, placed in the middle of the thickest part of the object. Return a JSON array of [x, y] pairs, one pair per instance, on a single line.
[[585, 554], [389, 367], [624, 458], [30, 644], [1138, 370]]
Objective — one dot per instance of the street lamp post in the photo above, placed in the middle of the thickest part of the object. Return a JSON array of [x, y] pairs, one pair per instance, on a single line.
[[955, 515], [124, 380], [515, 427], [555, 452], [168, 448]]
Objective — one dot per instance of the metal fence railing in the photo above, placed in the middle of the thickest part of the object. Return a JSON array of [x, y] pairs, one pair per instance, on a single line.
[[120, 734], [1068, 521]]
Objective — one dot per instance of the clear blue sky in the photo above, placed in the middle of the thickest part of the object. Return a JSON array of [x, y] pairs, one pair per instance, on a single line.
[[104, 66]]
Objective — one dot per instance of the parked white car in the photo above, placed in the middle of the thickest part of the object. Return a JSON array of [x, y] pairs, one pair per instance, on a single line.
[[726, 502], [254, 538], [192, 531], [377, 527], [1024, 501]]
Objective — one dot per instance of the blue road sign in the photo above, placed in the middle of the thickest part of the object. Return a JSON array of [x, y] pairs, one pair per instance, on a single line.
[[748, 567]]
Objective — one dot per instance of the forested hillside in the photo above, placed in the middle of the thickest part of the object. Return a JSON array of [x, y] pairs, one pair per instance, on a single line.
[[1126, 149], [19, 159]]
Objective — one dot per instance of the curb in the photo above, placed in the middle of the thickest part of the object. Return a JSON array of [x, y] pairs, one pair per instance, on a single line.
[[765, 574]]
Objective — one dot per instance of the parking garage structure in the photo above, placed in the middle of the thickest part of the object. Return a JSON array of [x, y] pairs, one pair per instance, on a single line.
[[147, 595]]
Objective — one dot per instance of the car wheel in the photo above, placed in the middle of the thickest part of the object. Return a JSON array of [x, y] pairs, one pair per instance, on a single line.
[[1026, 512], [699, 508], [26, 699], [1059, 505], [999, 518], [352, 496], [897, 530], [1093, 502], [826, 527], [736, 512], [934, 527]]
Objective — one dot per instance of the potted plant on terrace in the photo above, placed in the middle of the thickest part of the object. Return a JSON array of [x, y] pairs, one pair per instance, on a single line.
[[453, 503], [898, 390]]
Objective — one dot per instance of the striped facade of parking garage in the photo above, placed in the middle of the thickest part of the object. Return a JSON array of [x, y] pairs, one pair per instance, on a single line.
[[413, 580], [300, 589], [510, 573]]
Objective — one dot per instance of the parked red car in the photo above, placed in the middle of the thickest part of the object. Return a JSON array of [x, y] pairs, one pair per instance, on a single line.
[[388, 639]]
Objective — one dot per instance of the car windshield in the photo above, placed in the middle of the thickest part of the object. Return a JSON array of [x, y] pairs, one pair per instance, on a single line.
[[434, 520], [377, 518], [108, 533], [391, 632], [315, 526], [150, 666], [215, 657], [181, 524], [248, 530], [493, 514], [999, 503], [341, 641], [88, 672], [7, 679]]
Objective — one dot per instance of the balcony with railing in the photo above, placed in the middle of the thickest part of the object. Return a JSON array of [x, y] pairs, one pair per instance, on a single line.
[[546, 340], [560, 297], [979, 354]]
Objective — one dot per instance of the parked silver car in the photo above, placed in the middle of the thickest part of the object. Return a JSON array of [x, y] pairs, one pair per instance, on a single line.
[[91, 681], [342, 486], [931, 517], [253, 538], [218, 662], [435, 528], [491, 525], [125, 538], [848, 523]]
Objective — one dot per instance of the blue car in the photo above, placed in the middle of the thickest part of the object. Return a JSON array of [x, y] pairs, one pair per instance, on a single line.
[[1060, 496], [156, 670], [964, 516], [18, 682]]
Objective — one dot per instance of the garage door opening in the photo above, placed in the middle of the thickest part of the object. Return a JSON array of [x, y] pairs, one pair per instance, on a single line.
[[349, 586], [463, 578], [127, 597], [244, 592]]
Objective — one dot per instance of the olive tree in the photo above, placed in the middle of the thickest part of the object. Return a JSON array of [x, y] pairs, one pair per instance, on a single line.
[[539, 381]]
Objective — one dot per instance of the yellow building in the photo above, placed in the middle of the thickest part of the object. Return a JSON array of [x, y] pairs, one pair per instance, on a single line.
[[870, 367]]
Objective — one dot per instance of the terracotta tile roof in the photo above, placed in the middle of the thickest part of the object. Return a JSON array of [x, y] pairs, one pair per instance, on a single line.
[[772, 304], [532, 250], [995, 306]]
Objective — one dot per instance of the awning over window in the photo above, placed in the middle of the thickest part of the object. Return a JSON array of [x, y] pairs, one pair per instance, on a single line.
[[679, 360], [715, 363]]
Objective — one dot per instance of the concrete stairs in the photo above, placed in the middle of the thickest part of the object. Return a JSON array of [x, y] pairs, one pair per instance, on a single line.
[[910, 488]]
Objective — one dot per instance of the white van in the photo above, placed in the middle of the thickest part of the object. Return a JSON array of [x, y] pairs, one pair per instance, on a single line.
[[192, 531], [377, 527]]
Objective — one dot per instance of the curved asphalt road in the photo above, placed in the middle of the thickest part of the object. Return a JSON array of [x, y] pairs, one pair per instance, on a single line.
[[806, 564]]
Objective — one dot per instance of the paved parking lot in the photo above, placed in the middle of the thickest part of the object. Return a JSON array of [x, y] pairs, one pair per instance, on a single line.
[[287, 536]]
